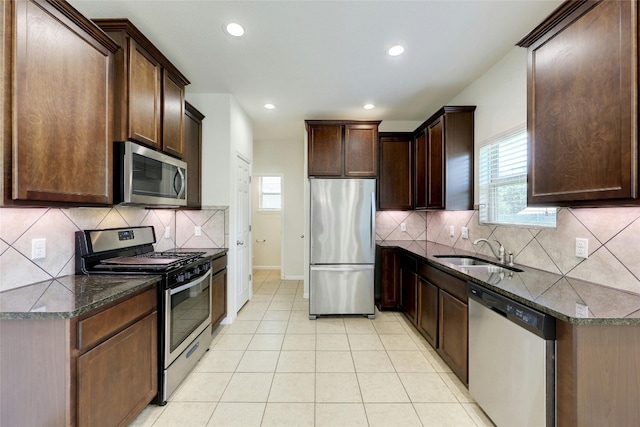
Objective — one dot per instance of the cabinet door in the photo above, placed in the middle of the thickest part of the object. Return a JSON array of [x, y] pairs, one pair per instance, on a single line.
[[435, 165], [63, 108], [172, 116], [420, 173], [453, 334], [145, 91], [218, 298], [119, 377], [395, 183], [361, 150], [409, 287], [582, 106], [428, 311], [325, 150], [193, 155], [390, 280]]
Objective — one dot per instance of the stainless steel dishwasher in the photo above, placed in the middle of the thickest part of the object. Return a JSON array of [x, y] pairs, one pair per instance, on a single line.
[[511, 360]]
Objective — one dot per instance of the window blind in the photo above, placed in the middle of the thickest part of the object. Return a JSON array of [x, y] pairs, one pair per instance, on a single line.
[[503, 183]]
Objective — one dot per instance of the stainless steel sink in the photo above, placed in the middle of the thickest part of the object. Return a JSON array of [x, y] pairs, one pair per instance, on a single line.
[[472, 262]]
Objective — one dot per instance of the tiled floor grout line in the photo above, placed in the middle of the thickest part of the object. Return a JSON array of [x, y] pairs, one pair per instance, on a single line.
[[275, 292]]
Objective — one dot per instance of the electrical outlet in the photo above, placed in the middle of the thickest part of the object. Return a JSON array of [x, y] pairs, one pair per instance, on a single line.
[[38, 248], [167, 232], [465, 232], [582, 310], [582, 248], [452, 231], [198, 231], [403, 226]]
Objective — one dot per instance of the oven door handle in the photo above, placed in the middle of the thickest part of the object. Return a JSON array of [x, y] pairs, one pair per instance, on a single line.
[[190, 284]]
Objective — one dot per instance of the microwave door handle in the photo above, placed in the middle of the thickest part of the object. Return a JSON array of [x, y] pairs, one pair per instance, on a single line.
[[180, 192]]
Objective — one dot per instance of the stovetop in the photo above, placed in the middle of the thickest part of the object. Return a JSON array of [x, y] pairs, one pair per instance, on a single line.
[[128, 250]]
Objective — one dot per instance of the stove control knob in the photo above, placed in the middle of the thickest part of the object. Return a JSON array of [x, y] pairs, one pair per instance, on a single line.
[[187, 275], [180, 278], [196, 270]]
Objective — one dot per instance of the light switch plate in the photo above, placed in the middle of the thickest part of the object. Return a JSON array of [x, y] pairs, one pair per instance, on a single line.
[[452, 231], [465, 232], [198, 231], [167, 232], [403, 226]]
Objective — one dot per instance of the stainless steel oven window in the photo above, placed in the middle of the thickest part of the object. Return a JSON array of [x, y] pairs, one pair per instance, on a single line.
[[188, 313]]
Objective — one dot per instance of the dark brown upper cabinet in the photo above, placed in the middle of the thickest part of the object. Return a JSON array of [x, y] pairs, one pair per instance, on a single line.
[[444, 160], [395, 181], [193, 154], [339, 148], [582, 114], [56, 86], [149, 96]]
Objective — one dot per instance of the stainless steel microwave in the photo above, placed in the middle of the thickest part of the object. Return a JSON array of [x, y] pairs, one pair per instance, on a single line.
[[143, 176]]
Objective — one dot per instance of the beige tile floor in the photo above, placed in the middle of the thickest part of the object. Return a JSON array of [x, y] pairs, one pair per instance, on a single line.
[[275, 367]]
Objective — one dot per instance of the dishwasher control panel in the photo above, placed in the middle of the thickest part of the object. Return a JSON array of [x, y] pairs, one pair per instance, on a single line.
[[529, 318]]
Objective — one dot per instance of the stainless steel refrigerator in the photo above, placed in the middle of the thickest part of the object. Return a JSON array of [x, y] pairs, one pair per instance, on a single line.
[[343, 230]]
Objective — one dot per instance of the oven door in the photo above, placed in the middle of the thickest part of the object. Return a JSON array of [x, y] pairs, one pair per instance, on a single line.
[[187, 314]]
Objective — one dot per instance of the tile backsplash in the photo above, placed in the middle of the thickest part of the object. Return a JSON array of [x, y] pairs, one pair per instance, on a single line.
[[58, 226], [614, 245]]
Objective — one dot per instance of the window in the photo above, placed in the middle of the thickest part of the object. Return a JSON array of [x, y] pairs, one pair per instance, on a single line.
[[503, 183], [270, 193]]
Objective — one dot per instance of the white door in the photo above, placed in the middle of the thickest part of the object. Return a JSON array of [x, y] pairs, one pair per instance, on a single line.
[[243, 232]]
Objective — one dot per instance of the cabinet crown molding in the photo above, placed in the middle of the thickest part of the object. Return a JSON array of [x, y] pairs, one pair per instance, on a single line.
[[123, 24]]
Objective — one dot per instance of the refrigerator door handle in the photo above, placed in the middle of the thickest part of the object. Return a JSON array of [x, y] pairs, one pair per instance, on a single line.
[[362, 267], [373, 222]]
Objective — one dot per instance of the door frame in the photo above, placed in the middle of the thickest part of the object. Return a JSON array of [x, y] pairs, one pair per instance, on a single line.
[[282, 197], [249, 264]]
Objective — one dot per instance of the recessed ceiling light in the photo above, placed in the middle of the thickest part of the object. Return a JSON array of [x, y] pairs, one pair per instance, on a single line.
[[368, 106], [269, 106], [395, 50], [234, 29]]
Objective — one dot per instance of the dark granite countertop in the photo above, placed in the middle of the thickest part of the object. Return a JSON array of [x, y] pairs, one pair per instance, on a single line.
[[69, 296], [547, 292]]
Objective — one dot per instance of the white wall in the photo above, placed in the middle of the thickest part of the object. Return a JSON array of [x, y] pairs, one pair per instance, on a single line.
[[286, 158], [500, 95], [226, 133]]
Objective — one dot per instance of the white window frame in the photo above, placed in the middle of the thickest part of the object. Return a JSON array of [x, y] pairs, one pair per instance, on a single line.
[[492, 176], [261, 193]]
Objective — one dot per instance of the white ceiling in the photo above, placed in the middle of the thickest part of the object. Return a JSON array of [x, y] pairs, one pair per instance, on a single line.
[[326, 59]]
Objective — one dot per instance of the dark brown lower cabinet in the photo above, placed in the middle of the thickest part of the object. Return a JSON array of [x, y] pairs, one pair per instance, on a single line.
[[597, 375], [428, 311], [387, 279], [453, 334], [98, 369], [218, 291], [118, 378], [409, 288]]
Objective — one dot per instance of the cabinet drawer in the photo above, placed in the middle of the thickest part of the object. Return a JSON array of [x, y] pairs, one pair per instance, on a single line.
[[218, 264], [451, 284], [98, 327]]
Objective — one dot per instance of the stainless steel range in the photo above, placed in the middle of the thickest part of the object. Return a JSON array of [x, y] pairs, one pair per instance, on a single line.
[[184, 294]]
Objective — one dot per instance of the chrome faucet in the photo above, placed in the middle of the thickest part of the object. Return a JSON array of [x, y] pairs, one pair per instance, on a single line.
[[499, 254]]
